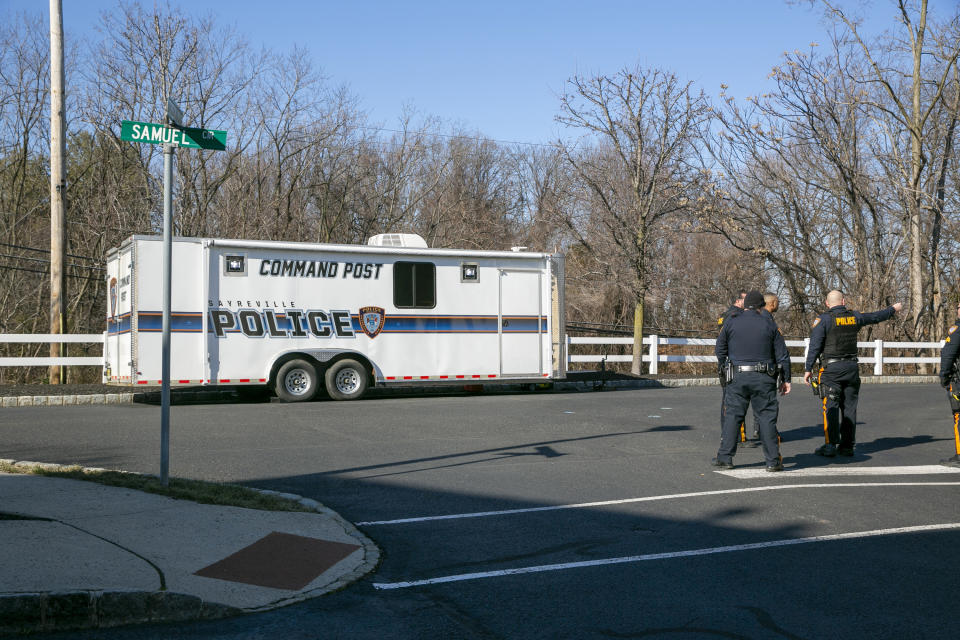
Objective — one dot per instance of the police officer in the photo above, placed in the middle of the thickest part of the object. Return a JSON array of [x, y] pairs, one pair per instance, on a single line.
[[834, 337], [771, 302], [736, 306], [951, 382], [754, 349]]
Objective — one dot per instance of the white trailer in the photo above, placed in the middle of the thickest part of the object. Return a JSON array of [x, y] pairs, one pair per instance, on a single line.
[[297, 317]]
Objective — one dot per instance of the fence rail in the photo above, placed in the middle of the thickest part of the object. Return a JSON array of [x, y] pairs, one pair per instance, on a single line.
[[81, 338], [652, 356]]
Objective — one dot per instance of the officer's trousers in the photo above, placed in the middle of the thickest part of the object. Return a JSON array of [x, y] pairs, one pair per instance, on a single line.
[[759, 390], [723, 411], [841, 389], [953, 394]]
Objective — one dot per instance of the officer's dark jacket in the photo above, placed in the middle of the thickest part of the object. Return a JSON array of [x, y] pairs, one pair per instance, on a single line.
[[834, 333], [752, 337], [948, 355], [726, 314]]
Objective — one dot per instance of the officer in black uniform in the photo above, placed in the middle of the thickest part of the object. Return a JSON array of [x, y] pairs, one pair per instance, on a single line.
[[834, 337], [754, 349], [736, 306], [950, 379]]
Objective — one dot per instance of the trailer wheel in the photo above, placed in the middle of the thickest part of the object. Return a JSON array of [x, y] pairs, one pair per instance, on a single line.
[[346, 380], [297, 380]]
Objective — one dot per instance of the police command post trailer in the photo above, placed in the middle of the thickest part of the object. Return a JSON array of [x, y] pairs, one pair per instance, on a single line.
[[297, 317]]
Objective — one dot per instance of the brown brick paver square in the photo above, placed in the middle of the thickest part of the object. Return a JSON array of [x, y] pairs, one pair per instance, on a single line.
[[280, 561]]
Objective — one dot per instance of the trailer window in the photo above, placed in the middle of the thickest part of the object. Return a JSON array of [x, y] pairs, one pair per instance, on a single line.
[[414, 285]]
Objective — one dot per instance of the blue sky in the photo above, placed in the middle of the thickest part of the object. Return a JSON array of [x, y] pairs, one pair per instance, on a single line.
[[497, 67]]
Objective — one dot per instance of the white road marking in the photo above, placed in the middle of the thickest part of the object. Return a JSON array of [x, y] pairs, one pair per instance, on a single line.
[[672, 496], [921, 470], [666, 556], [653, 416]]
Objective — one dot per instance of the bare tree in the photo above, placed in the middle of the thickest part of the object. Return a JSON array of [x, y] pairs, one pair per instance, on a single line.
[[640, 127], [912, 105]]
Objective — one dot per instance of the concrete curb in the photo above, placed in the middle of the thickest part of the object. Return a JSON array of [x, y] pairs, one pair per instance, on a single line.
[[56, 401], [186, 397], [74, 610]]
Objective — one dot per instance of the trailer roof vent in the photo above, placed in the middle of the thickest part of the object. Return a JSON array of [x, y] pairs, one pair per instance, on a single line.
[[397, 240]]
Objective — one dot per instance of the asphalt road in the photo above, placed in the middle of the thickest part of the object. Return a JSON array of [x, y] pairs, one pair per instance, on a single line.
[[572, 515]]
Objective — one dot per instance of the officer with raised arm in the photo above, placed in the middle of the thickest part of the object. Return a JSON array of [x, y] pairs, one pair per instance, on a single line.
[[834, 340], [950, 380], [752, 349]]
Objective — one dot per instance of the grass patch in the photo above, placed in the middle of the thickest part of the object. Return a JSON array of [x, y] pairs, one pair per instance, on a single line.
[[230, 495]]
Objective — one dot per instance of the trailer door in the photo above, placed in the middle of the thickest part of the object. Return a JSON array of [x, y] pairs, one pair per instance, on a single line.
[[520, 323], [118, 345]]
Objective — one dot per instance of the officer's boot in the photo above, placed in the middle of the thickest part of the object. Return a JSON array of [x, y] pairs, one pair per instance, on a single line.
[[827, 451], [955, 460]]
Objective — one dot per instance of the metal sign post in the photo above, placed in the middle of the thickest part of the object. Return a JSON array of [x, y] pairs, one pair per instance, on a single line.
[[171, 135], [165, 341], [174, 117]]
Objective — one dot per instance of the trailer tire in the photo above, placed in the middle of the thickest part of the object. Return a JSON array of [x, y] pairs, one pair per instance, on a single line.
[[346, 379], [297, 381]]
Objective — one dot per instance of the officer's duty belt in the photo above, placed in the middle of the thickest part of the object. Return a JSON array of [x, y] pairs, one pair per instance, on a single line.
[[832, 360], [760, 368]]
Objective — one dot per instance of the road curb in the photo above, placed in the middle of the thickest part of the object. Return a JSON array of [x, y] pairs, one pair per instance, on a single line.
[[599, 384], [76, 610], [90, 609]]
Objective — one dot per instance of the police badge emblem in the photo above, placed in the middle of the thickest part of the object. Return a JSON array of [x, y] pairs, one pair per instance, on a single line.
[[371, 320]]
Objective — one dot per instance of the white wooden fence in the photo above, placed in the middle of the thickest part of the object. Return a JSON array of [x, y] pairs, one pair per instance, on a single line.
[[652, 356], [86, 338]]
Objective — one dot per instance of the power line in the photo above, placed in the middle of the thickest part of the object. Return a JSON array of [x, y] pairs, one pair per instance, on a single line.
[[47, 251], [47, 271], [41, 260]]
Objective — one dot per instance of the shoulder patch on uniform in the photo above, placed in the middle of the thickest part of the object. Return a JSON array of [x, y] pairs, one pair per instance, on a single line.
[[816, 322], [952, 329], [719, 321]]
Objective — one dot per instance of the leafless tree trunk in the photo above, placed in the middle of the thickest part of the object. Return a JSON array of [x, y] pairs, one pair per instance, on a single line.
[[639, 130]]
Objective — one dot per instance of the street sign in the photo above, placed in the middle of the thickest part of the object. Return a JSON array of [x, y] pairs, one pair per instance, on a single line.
[[186, 137], [174, 114], [169, 137]]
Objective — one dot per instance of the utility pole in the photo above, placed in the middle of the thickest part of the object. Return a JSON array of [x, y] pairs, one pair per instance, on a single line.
[[58, 187]]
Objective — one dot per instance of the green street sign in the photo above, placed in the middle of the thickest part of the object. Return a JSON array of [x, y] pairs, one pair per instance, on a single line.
[[187, 137]]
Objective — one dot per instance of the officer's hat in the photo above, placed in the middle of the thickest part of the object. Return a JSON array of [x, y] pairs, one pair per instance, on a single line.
[[754, 300]]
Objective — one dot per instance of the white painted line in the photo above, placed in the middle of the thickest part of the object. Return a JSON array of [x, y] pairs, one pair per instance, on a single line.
[[666, 556], [672, 496], [919, 470]]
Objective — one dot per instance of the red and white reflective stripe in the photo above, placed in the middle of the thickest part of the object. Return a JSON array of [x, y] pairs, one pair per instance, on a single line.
[[221, 381], [460, 376]]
